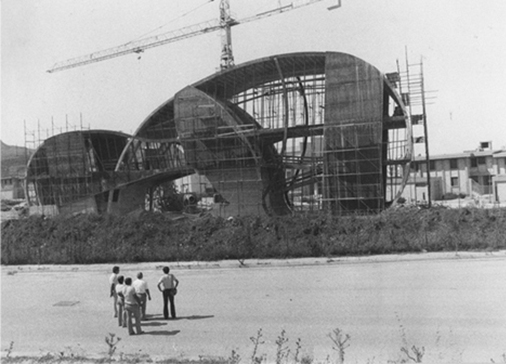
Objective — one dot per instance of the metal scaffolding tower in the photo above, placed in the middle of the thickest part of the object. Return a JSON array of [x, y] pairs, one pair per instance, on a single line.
[[414, 95]]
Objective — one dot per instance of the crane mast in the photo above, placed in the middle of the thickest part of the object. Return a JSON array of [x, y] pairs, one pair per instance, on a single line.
[[224, 23]]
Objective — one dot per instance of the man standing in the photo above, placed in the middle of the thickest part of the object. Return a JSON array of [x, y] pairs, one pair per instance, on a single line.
[[113, 281], [122, 318], [132, 307], [141, 288], [168, 286]]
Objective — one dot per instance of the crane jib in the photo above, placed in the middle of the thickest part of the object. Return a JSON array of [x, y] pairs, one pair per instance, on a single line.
[[183, 33]]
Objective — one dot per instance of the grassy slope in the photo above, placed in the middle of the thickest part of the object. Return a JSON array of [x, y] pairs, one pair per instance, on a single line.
[[157, 237]]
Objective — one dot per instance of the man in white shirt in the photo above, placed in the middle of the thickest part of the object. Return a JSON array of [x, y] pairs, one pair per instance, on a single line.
[[142, 290], [132, 307], [168, 286], [113, 281]]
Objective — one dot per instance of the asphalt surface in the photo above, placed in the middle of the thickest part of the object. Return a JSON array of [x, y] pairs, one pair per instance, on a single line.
[[452, 305]]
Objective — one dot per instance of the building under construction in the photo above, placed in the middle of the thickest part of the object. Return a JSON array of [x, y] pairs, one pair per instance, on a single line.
[[293, 132]]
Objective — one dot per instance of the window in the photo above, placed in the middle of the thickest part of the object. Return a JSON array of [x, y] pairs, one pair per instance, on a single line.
[[482, 161], [474, 162], [485, 145], [432, 165], [455, 181], [454, 164], [414, 166]]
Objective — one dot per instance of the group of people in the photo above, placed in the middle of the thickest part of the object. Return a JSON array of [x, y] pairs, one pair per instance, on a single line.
[[130, 297]]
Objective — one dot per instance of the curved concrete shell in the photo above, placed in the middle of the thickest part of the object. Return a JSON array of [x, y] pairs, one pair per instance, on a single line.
[[71, 171], [284, 133]]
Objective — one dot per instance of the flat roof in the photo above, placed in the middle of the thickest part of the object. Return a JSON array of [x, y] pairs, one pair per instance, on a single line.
[[466, 154]]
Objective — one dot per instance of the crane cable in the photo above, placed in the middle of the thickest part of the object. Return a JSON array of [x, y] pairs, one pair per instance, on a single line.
[[171, 21]]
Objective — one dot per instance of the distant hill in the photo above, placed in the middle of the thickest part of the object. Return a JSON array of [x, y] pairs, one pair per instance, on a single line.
[[14, 160]]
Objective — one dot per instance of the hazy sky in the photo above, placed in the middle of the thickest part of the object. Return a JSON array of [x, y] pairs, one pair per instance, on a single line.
[[462, 42]]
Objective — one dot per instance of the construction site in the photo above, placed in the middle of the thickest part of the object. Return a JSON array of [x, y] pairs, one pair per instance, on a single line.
[[289, 133]]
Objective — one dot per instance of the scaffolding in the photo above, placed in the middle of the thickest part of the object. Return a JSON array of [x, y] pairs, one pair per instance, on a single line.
[[416, 97]]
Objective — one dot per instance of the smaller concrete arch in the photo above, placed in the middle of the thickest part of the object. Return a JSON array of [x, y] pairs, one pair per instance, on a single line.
[[70, 171]]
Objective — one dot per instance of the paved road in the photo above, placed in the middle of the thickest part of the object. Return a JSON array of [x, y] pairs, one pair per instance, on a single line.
[[452, 305]]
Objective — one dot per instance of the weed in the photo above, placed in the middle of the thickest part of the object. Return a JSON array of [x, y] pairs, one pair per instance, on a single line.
[[340, 341], [9, 349], [417, 353], [298, 347], [257, 341], [112, 342], [282, 350], [234, 358]]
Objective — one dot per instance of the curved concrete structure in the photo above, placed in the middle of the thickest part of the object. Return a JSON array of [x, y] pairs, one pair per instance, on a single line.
[[292, 132], [314, 123], [74, 171]]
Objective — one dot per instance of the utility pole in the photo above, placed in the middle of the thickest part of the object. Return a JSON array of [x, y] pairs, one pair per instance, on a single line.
[[426, 134]]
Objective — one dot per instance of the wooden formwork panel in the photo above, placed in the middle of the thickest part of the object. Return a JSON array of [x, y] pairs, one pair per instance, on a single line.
[[353, 134]]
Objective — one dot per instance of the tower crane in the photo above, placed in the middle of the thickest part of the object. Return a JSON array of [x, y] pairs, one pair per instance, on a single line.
[[224, 23]]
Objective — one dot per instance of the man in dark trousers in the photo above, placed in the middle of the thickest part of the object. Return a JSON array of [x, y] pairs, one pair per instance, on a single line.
[[142, 290], [132, 307], [168, 286]]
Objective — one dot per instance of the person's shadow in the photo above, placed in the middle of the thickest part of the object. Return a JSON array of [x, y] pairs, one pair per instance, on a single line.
[[194, 317], [162, 332], [158, 320], [154, 320], [153, 323]]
